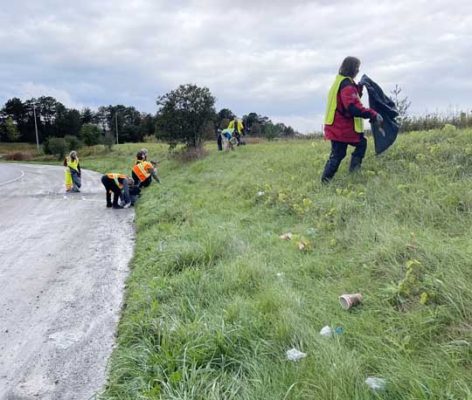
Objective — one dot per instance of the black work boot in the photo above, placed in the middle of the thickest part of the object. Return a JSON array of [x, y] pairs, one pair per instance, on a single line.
[[355, 164], [331, 168]]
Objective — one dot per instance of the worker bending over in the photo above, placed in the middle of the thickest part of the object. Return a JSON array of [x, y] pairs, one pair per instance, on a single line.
[[119, 184]]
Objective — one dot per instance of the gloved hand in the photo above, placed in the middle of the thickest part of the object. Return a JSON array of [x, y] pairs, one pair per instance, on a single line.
[[378, 119]]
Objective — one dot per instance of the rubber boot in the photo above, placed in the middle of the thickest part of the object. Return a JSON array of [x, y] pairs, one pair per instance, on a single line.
[[355, 164], [331, 168]]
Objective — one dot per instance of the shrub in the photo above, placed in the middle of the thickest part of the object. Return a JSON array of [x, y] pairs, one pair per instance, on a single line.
[[19, 156], [72, 143], [56, 147], [109, 141], [187, 154]]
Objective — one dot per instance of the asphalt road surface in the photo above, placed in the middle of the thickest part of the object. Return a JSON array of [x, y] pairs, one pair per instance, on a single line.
[[63, 264]]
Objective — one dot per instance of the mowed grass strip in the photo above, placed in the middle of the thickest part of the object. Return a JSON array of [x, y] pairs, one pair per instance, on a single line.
[[215, 298]]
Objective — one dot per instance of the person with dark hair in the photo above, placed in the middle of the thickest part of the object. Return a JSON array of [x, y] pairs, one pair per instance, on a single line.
[[140, 157], [343, 124], [119, 185]]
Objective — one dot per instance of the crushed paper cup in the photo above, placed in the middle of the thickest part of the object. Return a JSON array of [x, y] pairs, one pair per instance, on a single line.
[[348, 301], [295, 355]]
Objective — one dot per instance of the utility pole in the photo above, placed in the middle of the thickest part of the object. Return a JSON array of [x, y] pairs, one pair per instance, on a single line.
[[116, 125], [36, 126]]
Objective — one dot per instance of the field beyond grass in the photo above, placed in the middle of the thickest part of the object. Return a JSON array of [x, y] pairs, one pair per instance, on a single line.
[[215, 298]]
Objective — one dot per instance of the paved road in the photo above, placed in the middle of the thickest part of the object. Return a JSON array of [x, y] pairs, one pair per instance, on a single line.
[[63, 263]]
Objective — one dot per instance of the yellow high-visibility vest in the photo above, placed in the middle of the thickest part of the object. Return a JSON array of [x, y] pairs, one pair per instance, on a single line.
[[115, 177], [333, 104], [239, 126], [74, 164]]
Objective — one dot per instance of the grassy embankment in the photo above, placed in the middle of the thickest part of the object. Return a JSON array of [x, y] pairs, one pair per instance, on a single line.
[[215, 298]]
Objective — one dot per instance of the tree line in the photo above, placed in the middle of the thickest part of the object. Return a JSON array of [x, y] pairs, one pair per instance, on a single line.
[[186, 115]]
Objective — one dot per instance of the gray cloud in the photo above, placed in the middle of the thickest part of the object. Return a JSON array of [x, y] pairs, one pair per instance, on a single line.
[[276, 58]]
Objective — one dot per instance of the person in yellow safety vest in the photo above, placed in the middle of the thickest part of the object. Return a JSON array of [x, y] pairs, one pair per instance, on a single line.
[[237, 128], [143, 172], [118, 184], [343, 124], [72, 172]]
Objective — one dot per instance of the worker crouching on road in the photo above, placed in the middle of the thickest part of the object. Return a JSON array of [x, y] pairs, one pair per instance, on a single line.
[[344, 119], [119, 184], [72, 172], [143, 172]]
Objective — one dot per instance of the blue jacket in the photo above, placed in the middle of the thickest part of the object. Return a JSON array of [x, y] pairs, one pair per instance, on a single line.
[[384, 105]]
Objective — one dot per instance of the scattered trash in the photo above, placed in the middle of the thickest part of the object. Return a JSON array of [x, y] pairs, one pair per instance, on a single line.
[[339, 330], [259, 194], [286, 236], [295, 355], [350, 300], [280, 274], [303, 245], [376, 383], [327, 331]]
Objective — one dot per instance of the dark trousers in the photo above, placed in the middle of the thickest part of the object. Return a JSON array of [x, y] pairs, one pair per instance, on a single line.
[[338, 152], [219, 141], [144, 183], [110, 186]]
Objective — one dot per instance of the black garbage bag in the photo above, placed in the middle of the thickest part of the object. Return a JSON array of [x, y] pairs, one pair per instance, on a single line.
[[385, 135]]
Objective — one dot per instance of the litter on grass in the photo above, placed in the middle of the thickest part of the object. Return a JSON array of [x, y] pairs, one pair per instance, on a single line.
[[376, 383], [286, 236], [295, 355], [327, 331]]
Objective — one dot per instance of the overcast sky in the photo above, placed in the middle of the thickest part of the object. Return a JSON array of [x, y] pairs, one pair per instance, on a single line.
[[273, 57]]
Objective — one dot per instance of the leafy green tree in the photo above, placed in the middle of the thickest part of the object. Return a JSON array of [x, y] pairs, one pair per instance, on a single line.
[[271, 131], [183, 113], [255, 123], [87, 116], [224, 116], [90, 134], [224, 123], [11, 131], [148, 125], [68, 122], [17, 111]]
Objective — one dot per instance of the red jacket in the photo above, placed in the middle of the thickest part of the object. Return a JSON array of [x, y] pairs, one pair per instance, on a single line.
[[348, 106]]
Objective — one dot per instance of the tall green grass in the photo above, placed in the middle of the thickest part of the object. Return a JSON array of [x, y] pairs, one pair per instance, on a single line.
[[215, 298]]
